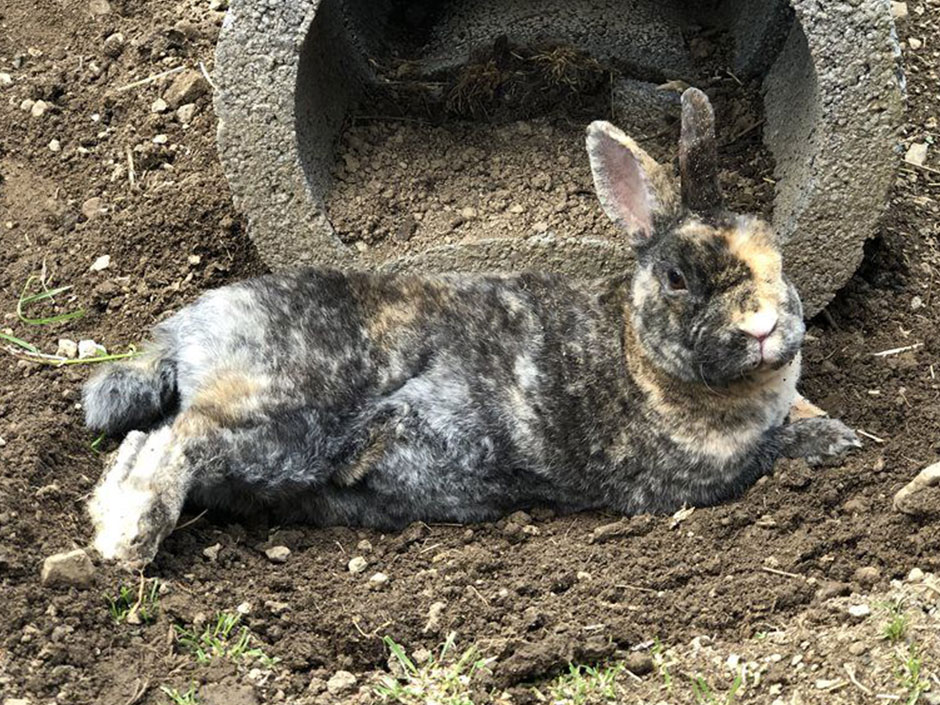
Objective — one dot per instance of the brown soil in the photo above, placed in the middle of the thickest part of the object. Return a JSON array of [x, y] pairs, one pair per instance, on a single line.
[[533, 598]]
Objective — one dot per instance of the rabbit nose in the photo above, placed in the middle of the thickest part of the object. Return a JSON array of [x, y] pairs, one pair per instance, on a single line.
[[760, 325]]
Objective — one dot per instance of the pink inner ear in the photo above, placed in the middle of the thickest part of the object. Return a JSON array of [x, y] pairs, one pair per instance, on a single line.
[[620, 181]]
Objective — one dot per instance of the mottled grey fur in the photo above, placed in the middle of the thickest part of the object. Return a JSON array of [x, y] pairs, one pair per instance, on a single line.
[[377, 400]]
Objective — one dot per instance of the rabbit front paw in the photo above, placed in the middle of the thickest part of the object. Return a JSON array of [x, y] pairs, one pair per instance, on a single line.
[[819, 441]]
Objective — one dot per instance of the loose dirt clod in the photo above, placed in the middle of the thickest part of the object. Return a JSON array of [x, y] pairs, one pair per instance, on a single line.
[[357, 565], [70, 569], [341, 682], [278, 554]]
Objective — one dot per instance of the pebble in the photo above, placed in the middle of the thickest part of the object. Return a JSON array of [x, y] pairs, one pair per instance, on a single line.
[[159, 106], [916, 303], [859, 610], [99, 7], [39, 108], [2, 442], [857, 648], [899, 10], [340, 682], [357, 565], [186, 88], [916, 154], [91, 208], [914, 43], [867, 575], [5, 80], [639, 663], [101, 263], [186, 112], [468, 213], [364, 546], [218, 5], [212, 552], [72, 569], [67, 348], [278, 554], [276, 608], [114, 45], [89, 348], [378, 579], [915, 576], [27, 105], [55, 145], [160, 139]]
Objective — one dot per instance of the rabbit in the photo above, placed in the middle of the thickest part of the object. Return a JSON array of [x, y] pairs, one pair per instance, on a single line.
[[379, 399]]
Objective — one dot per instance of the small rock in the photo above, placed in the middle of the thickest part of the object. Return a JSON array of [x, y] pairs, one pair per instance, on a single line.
[[278, 554], [357, 565], [859, 610], [639, 663], [517, 208], [101, 263], [159, 106], [276, 608], [186, 112], [916, 303], [67, 348], [867, 575], [160, 139], [540, 227], [55, 145], [212, 552], [114, 45], [99, 7], [218, 5], [16, 701], [899, 10], [27, 104], [5, 80], [244, 608], [364, 546], [187, 87], [89, 348], [38, 108], [915, 576], [584, 576], [341, 682], [468, 213], [916, 154], [73, 569], [378, 580], [914, 43], [91, 208], [857, 648], [2, 442]]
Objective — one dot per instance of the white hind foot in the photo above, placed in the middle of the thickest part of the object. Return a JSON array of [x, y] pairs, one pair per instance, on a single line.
[[139, 498]]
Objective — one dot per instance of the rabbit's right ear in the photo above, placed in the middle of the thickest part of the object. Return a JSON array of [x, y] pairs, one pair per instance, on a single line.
[[632, 187]]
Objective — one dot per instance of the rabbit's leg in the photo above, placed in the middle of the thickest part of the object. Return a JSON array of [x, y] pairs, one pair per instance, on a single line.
[[140, 497], [816, 440]]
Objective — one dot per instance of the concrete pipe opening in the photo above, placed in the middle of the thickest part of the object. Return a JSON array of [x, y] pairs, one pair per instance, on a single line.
[[448, 134]]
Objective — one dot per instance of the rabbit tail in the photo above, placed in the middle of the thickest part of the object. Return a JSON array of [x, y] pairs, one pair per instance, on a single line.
[[133, 395]]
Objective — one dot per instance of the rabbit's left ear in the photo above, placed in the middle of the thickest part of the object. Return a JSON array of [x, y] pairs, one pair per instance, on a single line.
[[632, 187]]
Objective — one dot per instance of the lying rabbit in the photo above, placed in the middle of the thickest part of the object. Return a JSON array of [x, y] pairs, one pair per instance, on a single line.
[[380, 399]]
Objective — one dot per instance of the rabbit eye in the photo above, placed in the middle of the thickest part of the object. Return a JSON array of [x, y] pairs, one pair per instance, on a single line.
[[675, 280]]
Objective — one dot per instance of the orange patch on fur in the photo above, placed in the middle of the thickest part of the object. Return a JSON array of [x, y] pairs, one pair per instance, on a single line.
[[226, 400]]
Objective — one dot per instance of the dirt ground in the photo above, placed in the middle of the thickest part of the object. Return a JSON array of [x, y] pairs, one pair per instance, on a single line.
[[801, 592]]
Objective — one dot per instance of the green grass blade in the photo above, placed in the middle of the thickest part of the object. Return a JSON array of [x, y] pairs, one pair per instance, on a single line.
[[19, 342], [25, 300]]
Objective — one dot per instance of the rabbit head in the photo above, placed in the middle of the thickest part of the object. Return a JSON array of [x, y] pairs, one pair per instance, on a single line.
[[710, 303]]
